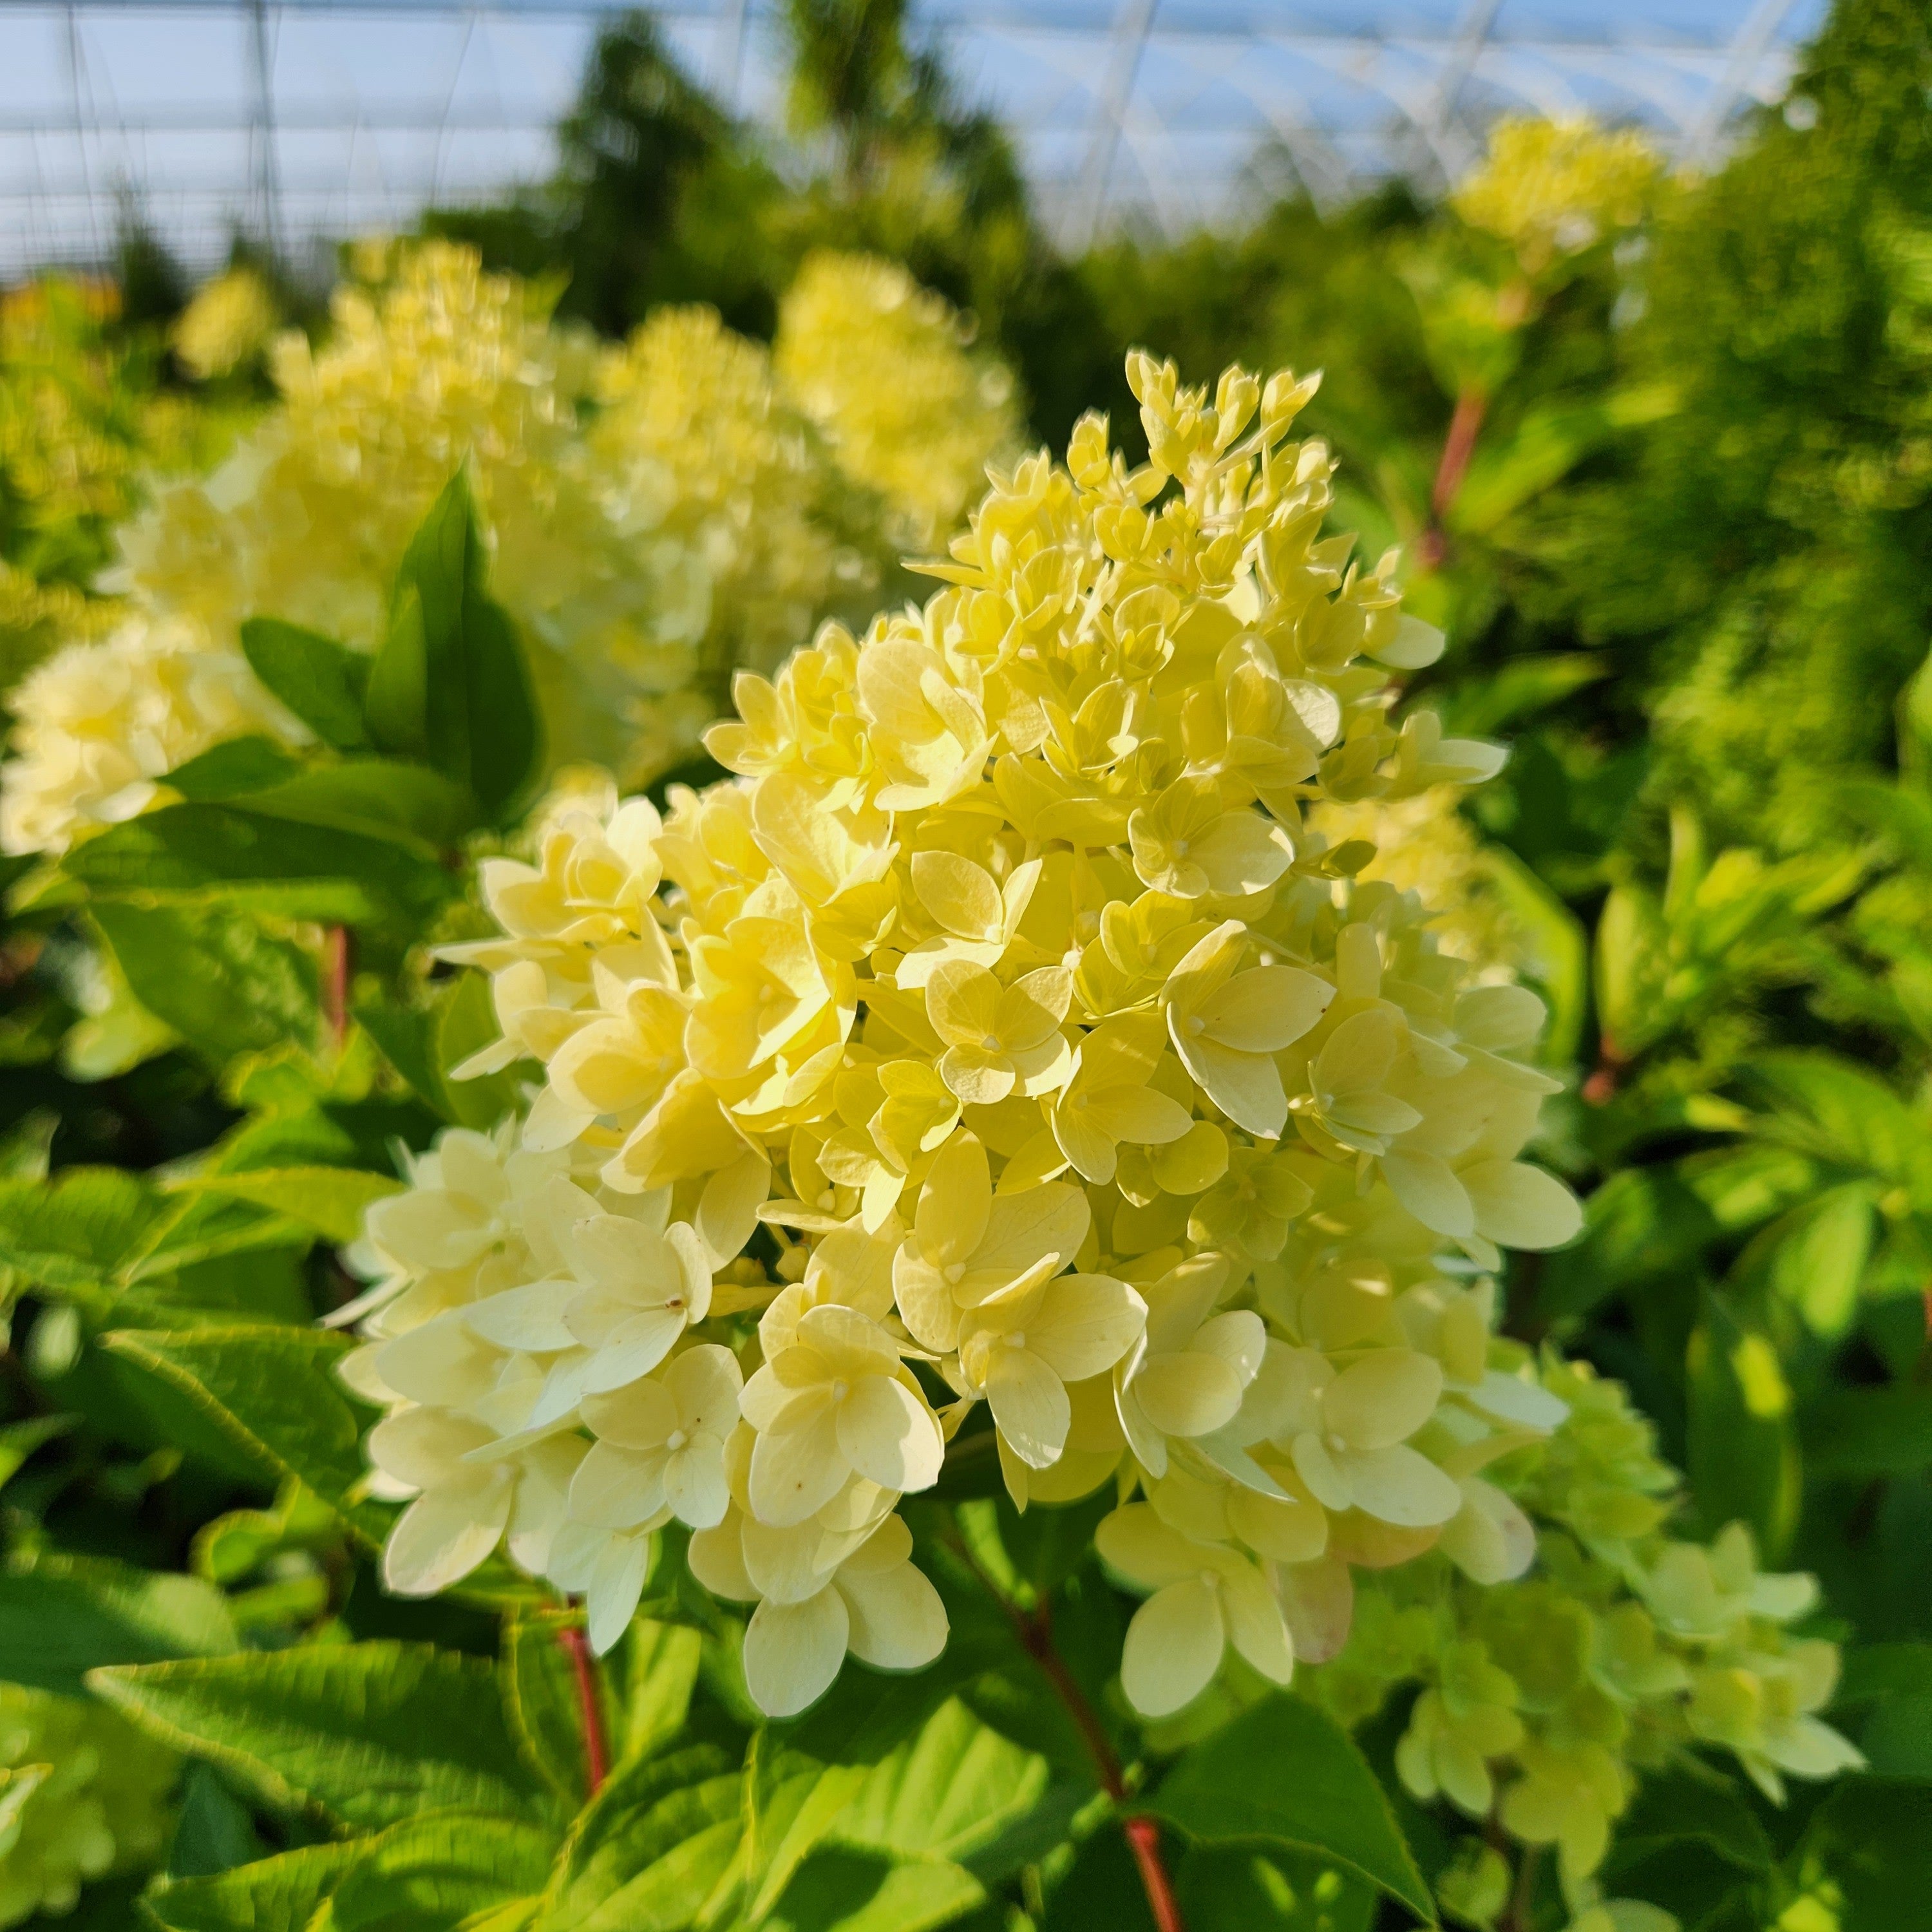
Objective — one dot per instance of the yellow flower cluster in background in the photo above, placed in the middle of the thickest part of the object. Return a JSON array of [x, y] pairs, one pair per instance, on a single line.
[[660, 512], [82, 1793], [1551, 188], [80, 419], [225, 324], [1104, 1126], [921, 435]]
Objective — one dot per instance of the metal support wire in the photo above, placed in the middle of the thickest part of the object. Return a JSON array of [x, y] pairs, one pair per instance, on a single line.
[[1132, 26], [264, 175], [1747, 53]]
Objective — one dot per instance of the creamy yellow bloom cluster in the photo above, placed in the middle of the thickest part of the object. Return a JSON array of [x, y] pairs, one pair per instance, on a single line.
[[1551, 188], [1541, 1701], [82, 1793], [875, 360], [99, 724], [1094, 1117], [229, 318], [660, 512]]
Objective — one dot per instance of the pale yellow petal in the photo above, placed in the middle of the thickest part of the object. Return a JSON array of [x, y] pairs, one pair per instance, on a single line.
[[1173, 1647]]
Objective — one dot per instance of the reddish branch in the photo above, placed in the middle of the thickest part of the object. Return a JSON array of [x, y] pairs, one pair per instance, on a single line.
[[596, 1761], [1458, 447], [1034, 1629], [336, 967]]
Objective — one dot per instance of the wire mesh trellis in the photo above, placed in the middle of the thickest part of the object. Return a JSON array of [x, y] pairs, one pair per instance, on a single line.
[[292, 119]]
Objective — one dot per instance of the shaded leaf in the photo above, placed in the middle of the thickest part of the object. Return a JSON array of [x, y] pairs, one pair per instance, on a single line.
[[320, 681], [1283, 1773], [366, 1734], [273, 1390], [62, 1616]]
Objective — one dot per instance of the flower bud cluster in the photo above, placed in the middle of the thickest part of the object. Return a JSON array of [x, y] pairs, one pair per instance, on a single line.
[[1090, 1115], [81, 1794], [1541, 1700], [660, 512]]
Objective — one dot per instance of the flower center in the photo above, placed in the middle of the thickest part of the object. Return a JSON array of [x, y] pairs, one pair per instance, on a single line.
[[676, 1439], [1196, 1024], [839, 1389], [1017, 1339], [1180, 848], [954, 1273], [991, 1042]]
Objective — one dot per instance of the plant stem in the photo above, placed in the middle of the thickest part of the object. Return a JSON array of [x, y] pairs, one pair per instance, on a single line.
[[336, 961], [1523, 1899], [1034, 1629], [1144, 1841], [596, 1761], [1458, 445]]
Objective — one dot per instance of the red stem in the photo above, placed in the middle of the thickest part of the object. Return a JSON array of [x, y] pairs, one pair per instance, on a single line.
[[1144, 1841], [1034, 1628], [1458, 447], [336, 967], [596, 1761]]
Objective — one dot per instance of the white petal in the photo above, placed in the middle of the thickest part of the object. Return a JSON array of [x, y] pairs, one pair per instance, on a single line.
[[794, 1476], [1029, 1403], [1173, 1647], [792, 1652], [611, 1601], [694, 1486], [1520, 1206], [1426, 1184], [446, 1532], [1255, 1626], [1399, 1487], [618, 1489], [889, 1434], [897, 1621]]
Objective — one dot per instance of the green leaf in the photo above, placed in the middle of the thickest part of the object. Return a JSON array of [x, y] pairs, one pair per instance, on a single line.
[[273, 1390], [1558, 950], [62, 1616], [1698, 1805], [945, 1793], [246, 859], [1893, 1683], [656, 1671], [791, 1802], [384, 797], [233, 769], [1269, 1891], [434, 1874], [540, 1694], [1814, 1257], [214, 1832], [363, 1734], [1643, 1229], [224, 985], [280, 1894], [73, 1235], [650, 1849], [1743, 1446], [1283, 1773], [331, 1199], [320, 681], [423, 1042], [1863, 1433], [1869, 1837], [450, 686], [838, 1890]]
